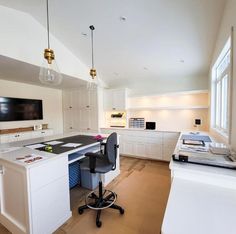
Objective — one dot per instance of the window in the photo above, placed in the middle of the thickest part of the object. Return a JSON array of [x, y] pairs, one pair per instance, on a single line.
[[221, 91]]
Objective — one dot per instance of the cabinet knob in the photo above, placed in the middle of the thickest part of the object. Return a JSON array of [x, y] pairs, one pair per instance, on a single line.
[[87, 106], [70, 127], [70, 107], [113, 108], [88, 128]]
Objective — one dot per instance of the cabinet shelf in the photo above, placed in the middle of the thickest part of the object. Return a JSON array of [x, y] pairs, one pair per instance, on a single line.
[[169, 108]]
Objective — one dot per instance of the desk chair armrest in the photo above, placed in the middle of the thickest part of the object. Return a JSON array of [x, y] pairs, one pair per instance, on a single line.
[[92, 160]]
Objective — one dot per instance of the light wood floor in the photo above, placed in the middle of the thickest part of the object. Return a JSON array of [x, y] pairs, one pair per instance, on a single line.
[[142, 187]]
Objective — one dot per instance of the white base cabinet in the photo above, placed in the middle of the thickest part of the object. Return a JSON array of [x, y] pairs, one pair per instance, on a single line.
[[153, 145], [42, 202], [20, 136]]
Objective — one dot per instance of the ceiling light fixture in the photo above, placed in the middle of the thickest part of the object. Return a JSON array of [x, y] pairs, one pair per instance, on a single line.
[[93, 72], [92, 83], [123, 18], [49, 72]]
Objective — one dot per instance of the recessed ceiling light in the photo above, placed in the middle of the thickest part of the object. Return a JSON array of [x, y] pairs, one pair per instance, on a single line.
[[145, 68], [181, 61], [123, 18], [84, 34]]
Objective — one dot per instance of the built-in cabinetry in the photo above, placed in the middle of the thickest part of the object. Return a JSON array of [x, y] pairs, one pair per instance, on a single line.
[[20, 136], [80, 110], [35, 209], [148, 144], [115, 99]]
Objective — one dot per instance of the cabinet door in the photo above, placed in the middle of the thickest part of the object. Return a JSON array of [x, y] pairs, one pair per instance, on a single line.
[[84, 121], [42, 133], [169, 144], [68, 120], [119, 99], [24, 136], [75, 99], [154, 146], [83, 98], [93, 120], [108, 100], [13, 195], [67, 99]]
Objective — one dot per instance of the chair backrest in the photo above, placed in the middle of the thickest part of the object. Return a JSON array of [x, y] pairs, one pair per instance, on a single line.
[[111, 148]]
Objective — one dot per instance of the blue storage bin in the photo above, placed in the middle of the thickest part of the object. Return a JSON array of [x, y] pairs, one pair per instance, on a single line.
[[74, 174]]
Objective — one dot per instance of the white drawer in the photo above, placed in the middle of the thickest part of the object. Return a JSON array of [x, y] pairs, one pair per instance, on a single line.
[[48, 172]]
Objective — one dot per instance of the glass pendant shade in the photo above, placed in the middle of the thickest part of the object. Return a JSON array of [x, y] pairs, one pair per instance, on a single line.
[[92, 85], [49, 73]]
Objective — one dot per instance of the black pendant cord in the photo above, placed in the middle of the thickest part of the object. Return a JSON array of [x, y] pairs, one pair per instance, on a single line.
[[48, 25], [92, 28]]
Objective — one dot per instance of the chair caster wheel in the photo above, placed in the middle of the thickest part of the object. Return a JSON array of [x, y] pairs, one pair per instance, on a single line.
[[81, 211], [122, 211], [99, 223]]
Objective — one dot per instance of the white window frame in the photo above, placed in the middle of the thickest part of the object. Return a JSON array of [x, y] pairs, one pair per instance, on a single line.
[[220, 120]]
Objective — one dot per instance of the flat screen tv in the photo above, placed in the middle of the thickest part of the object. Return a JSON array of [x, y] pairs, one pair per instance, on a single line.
[[17, 109]]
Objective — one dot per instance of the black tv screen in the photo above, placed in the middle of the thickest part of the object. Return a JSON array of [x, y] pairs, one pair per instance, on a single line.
[[16, 109]]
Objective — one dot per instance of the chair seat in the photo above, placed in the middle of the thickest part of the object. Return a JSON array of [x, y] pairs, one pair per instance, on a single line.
[[102, 164]]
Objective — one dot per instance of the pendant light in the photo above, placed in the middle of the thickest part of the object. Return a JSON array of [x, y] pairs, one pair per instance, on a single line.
[[93, 73], [49, 72]]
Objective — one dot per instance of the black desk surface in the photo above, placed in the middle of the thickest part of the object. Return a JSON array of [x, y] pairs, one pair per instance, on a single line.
[[59, 149]]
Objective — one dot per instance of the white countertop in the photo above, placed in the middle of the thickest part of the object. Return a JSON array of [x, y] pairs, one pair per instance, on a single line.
[[202, 199], [17, 150], [198, 208]]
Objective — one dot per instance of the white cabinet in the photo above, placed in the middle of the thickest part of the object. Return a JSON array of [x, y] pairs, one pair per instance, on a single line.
[[34, 200], [154, 145], [80, 110], [20, 136], [115, 99], [169, 142], [13, 209], [42, 133]]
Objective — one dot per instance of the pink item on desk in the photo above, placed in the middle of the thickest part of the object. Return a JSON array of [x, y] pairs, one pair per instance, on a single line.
[[99, 138]]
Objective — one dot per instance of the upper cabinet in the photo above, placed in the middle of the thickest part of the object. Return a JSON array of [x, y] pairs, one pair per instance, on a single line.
[[115, 99], [80, 110]]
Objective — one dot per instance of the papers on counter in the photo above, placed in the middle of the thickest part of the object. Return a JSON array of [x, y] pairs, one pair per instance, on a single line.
[[30, 158], [54, 142], [35, 146], [71, 145], [193, 148]]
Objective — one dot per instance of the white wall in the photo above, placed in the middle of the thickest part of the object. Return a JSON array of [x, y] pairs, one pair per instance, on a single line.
[[164, 85], [171, 112], [174, 120], [228, 20], [52, 104], [23, 38]]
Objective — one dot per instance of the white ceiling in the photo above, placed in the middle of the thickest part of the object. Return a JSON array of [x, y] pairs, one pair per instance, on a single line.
[[149, 45]]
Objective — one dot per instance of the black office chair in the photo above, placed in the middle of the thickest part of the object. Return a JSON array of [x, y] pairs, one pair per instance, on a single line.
[[101, 162]]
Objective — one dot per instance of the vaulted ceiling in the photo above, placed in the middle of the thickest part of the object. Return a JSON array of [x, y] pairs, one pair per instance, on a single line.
[[135, 40]]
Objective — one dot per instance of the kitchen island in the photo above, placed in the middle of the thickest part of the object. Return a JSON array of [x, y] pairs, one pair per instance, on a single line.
[[34, 185]]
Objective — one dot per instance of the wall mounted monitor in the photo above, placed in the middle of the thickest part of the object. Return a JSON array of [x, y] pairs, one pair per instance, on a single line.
[[18, 109]]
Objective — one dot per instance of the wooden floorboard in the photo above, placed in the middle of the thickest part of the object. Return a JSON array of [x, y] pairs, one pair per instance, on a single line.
[[142, 187]]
